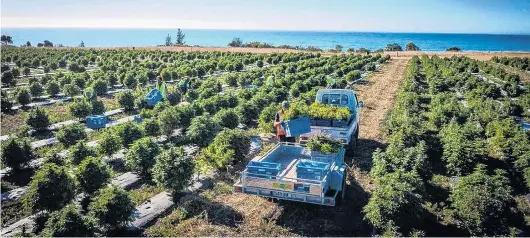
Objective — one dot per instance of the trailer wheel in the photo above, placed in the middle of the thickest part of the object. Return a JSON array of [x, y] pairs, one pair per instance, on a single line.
[[342, 195]]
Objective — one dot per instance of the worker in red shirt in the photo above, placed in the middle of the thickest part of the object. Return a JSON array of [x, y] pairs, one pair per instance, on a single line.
[[280, 131]]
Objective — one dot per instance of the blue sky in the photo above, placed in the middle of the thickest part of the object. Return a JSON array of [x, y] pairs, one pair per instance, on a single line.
[[453, 16]]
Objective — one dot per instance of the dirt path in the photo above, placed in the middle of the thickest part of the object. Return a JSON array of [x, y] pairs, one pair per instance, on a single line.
[[378, 96]]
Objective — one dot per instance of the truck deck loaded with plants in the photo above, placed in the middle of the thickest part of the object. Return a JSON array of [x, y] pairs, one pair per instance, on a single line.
[[313, 171]]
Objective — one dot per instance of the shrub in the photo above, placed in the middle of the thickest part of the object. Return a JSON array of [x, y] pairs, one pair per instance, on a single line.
[[151, 127], [173, 169], [6, 103], [112, 208], [53, 157], [398, 157], [70, 134], [80, 108], [230, 145], [141, 156], [50, 189], [169, 120], [92, 174], [353, 75], [16, 153], [126, 100], [38, 119], [129, 132], [266, 118], [130, 82], [69, 222], [411, 47], [80, 152], [98, 107], [479, 200], [52, 88], [8, 78], [109, 143], [100, 87], [396, 200], [71, 90], [23, 96], [173, 97], [202, 130], [324, 143], [227, 118], [36, 89], [463, 147]]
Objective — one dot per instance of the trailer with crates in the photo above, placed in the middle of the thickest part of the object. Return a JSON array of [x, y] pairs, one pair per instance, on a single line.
[[293, 172]]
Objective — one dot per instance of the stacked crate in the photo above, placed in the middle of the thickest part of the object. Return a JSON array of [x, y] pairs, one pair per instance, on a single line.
[[312, 170], [267, 170]]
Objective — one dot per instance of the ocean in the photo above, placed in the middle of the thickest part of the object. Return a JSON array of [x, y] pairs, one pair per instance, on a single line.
[[324, 40]]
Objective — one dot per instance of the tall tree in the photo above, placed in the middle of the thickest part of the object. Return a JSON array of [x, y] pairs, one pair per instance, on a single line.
[[82, 44], [168, 40], [28, 44], [6, 39], [48, 43], [180, 37]]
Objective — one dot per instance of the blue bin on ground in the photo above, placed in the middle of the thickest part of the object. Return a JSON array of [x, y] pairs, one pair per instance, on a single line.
[[313, 170], [138, 119], [96, 122], [263, 169], [297, 126], [153, 97]]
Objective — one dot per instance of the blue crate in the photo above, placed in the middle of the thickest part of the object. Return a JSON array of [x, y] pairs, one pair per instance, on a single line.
[[323, 122], [263, 168], [297, 126], [153, 97], [340, 123], [138, 119], [312, 169], [96, 122], [313, 122]]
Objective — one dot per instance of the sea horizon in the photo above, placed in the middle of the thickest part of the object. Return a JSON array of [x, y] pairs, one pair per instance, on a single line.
[[129, 37]]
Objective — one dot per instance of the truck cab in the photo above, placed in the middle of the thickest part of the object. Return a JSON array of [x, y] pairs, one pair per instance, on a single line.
[[348, 133]]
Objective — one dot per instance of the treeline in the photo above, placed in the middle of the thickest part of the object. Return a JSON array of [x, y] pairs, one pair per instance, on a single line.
[[448, 164], [237, 42]]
